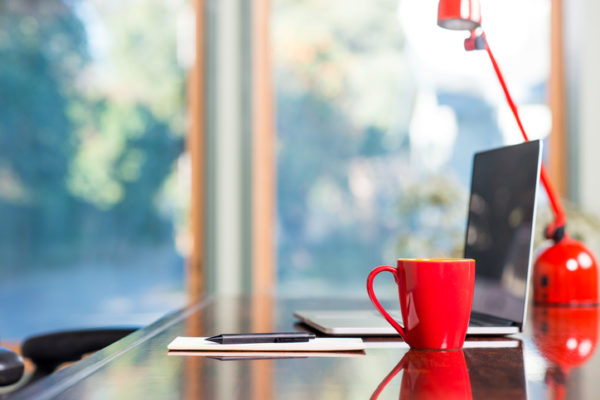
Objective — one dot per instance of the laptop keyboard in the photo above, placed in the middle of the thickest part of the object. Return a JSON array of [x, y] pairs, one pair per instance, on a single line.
[[479, 319]]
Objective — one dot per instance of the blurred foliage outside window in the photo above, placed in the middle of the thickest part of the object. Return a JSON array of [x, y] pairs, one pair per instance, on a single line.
[[92, 163], [379, 113]]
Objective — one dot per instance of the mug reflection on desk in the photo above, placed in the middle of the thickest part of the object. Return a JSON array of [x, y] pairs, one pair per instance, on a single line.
[[431, 375]]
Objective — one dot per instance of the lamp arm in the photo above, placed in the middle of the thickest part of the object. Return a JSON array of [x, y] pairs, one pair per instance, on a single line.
[[556, 229]]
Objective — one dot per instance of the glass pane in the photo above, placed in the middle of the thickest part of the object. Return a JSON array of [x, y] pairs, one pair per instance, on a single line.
[[379, 112], [92, 163]]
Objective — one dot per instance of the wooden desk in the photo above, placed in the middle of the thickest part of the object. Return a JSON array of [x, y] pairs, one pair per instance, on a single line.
[[555, 356]]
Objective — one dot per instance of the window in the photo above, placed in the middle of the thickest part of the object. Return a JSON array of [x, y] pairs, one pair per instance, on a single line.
[[93, 168], [379, 112]]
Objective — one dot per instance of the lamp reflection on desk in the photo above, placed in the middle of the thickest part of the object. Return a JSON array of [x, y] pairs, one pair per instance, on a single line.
[[431, 375], [566, 338]]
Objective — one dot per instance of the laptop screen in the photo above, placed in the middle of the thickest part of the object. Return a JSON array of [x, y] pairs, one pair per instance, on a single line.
[[500, 227]]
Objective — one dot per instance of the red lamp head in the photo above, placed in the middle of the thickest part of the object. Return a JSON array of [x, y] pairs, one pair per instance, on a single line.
[[566, 274], [459, 14]]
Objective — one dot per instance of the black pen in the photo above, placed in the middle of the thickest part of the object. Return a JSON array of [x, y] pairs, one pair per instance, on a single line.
[[278, 337]]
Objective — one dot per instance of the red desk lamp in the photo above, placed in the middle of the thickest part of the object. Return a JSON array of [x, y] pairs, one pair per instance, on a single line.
[[566, 273]]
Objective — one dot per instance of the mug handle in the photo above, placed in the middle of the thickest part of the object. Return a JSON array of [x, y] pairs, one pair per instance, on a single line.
[[374, 300]]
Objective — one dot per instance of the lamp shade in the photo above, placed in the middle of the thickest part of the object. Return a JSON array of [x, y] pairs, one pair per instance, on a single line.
[[459, 14]]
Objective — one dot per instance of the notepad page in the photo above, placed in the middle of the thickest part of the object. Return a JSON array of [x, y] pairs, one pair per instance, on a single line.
[[318, 344]]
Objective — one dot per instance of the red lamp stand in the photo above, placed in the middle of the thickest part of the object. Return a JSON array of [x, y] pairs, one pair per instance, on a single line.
[[565, 273]]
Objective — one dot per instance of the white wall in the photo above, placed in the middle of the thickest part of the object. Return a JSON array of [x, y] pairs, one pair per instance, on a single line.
[[582, 52]]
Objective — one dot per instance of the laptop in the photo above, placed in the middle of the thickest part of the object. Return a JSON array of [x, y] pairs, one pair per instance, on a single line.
[[499, 237]]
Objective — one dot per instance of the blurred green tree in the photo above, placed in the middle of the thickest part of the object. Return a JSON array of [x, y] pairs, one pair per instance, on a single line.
[[42, 46], [84, 155]]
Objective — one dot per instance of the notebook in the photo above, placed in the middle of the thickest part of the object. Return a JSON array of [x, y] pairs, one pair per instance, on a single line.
[[499, 236]]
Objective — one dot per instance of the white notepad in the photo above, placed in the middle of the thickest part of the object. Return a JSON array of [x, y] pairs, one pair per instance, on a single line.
[[182, 343], [260, 355]]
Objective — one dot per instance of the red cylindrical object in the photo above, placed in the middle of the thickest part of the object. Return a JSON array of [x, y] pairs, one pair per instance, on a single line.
[[459, 14], [435, 296]]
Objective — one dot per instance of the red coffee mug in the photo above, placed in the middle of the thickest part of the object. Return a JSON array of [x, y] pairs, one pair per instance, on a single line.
[[436, 296]]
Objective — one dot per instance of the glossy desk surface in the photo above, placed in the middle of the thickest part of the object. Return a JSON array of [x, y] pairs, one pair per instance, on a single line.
[[554, 358]]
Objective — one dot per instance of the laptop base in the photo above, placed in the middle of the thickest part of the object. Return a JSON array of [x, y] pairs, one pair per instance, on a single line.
[[371, 323]]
